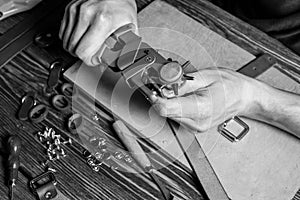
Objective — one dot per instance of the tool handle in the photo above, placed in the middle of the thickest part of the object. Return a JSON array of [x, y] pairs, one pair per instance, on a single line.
[[130, 142], [14, 149]]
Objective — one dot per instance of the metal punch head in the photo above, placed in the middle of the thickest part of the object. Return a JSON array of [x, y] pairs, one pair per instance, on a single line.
[[75, 123], [61, 103], [28, 101], [38, 113], [68, 90], [56, 67]]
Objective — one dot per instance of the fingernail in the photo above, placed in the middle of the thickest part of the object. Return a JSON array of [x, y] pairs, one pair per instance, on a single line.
[[153, 98]]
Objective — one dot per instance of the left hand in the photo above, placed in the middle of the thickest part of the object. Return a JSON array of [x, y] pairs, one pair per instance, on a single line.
[[88, 23], [215, 95]]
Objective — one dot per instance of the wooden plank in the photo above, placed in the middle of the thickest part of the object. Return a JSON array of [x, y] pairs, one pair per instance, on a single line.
[[242, 168]]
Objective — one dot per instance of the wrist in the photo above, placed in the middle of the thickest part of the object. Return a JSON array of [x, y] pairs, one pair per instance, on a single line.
[[258, 99], [133, 4]]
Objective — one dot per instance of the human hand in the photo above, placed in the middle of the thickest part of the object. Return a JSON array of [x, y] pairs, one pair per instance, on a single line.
[[215, 95], [88, 23]]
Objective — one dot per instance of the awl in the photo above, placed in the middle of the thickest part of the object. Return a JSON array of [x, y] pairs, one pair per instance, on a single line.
[[14, 148], [130, 142]]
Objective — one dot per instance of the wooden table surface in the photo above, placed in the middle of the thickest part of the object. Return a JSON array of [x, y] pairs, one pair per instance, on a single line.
[[28, 71]]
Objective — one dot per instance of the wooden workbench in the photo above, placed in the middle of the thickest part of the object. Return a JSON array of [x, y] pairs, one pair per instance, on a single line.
[[28, 71]]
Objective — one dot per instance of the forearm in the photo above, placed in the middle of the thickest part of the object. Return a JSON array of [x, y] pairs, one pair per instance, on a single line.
[[278, 108]]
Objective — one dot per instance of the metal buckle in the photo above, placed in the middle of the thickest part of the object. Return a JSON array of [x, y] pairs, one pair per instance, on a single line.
[[45, 190], [228, 129]]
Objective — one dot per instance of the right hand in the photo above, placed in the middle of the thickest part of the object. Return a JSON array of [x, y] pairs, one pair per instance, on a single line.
[[88, 23], [215, 95]]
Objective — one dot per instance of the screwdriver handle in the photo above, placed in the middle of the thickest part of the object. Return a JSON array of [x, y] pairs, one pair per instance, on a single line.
[[14, 149], [130, 142]]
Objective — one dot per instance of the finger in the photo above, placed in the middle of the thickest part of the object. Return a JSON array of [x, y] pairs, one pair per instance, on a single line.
[[96, 59], [187, 122], [193, 125], [83, 22], [72, 15], [63, 25], [92, 41], [64, 20], [202, 79], [181, 107]]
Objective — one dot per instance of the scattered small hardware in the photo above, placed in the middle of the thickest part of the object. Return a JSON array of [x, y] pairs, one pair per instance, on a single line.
[[53, 143], [95, 161]]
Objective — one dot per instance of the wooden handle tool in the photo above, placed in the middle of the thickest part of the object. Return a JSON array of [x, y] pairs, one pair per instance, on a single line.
[[130, 142], [136, 151]]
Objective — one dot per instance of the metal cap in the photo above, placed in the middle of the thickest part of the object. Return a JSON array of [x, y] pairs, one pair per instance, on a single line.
[[170, 72]]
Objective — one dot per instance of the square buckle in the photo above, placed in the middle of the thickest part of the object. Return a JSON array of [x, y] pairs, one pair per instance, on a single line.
[[44, 186], [234, 129]]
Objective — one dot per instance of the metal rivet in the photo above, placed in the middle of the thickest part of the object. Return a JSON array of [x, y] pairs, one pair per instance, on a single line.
[[48, 195], [149, 59]]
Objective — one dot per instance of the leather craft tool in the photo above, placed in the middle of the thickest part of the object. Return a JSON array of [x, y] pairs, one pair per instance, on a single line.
[[38, 113], [56, 68], [30, 110], [14, 148], [68, 90], [28, 101], [61, 103], [130, 142]]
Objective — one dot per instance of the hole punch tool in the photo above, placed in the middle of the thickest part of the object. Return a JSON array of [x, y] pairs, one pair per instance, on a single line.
[[141, 66], [14, 148]]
